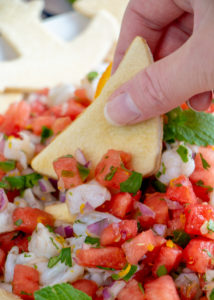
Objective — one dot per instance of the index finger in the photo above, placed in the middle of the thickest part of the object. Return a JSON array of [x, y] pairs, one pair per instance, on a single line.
[[146, 18]]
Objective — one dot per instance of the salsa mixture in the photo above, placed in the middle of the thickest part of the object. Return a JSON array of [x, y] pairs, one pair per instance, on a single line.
[[131, 237]]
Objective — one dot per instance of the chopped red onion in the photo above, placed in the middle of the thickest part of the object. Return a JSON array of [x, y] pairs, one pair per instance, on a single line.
[[96, 229], [46, 186], [145, 210], [65, 232], [160, 229], [80, 157], [106, 294], [88, 164], [173, 205], [62, 197], [88, 208], [3, 200], [68, 231], [111, 292]]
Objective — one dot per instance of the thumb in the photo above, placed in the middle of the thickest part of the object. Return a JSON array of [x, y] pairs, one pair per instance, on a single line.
[[163, 86]]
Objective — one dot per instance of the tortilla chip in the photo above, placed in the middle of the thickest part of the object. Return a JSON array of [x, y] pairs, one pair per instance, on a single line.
[[45, 60], [91, 7], [7, 99], [5, 295], [60, 212], [91, 133]]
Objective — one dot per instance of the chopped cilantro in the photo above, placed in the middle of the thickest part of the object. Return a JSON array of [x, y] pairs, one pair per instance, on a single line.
[[159, 186], [161, 271], [64, 257], [141, 287], [196, 128], [67, 173], [83, 171], [183, 152], [132, 184], [46, 133], [7, 165], [210, 225], [59, 292], [50, 228], [29, 238], [20, 182], [105, 268], [18, 222], [208, 252], [25, 293], [110, 175], [92, 240], [181, 238], [205, 164], [130, 273], [178, 185], [92, 75], [163, 168], [78, 221], [201, 183], [27, 255], [212, 295], [158, 174], [55, 245]]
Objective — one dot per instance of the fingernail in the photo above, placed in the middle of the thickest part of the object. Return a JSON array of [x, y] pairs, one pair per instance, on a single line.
[[122, 110]]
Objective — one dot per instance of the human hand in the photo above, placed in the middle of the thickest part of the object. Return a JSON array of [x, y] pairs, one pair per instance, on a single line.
[[180, 34]]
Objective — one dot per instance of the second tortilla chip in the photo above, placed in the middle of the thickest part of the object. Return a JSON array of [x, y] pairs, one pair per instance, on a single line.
[[91, 133]]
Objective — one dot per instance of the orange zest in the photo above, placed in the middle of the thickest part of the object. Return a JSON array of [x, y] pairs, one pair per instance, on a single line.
[[104, 78]]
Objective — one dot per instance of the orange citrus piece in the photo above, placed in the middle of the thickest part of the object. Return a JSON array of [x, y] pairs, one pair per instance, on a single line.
[[103, 79]]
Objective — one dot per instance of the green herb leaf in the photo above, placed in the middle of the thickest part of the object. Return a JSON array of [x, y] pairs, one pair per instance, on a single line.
[[131, 273], [181, 238], [7, 165], [208, 252], [18, 222], [83, 171], [132, 184], [196, 128], [21, 182], [212, 295], [201, 183], [161, 271], [50, 228], [210, 225], [183, 152], [67, 173], [105, 268], [92, 240], [205, 164], [110, 175], [52, 241], [163, 168], [64, 257], [25, 293], [159, 186], [92, 75], [46, 133], [141, 287], [59, 292]]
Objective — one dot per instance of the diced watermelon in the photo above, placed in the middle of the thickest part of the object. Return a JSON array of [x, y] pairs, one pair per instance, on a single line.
[[109, 257], [136, 248], [27, 218], [169, 257], [121, 204], [198, 254], [13, 238], [25, 281], [110, 171], [41, 121], [87, 286], [60, 124], [133, 289], [180, 189], [204, 167], [66, 168], [198, 215], [178, 220], [2, 260], [118, 233], [162, 288], [201, 192]]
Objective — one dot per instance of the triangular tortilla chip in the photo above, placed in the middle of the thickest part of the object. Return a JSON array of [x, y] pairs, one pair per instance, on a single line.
[[5, 295], [91, 7], [45, 60], [94, 135]]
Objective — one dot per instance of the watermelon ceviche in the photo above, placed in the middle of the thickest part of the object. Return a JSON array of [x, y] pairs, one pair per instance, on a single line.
[[131, 237]]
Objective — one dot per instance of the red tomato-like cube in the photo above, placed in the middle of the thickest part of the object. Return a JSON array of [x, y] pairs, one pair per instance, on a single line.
[[89, 287], [162, 288], [121, 204], [169, 257], [178, 220], [198, 254], [13, 238], [117, 233], [66, 168], [27, 218], [41, 121], [140, 245], [201, 192], [25, 281], [109, 257], [132, 289], [157, 203], [60, 124], [198, 215], [113, 169], [204, 167], [180, 189]]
